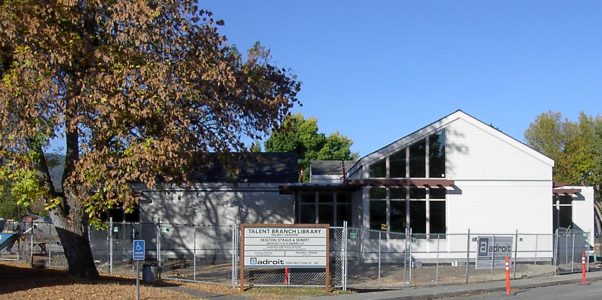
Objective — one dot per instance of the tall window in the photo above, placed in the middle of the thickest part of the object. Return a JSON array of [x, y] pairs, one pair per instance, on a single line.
[[437, 222], [414, 161], [418, 159], [378, 208], [397, 162], [397, 208], [437, 155], [379, 169]]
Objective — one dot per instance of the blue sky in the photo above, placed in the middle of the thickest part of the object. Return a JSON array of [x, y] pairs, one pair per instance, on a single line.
[[378, 70]]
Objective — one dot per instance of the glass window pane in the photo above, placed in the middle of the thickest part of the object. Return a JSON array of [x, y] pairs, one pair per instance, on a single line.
[[308, 214], [343, 198], [378, 214], [565, 199], [566, 217], [134, 216], [417, 193], [418, 216], [378, 169], [397, 164], [398, 216], [326, 214], [343, 214], [437, 155], [418, 159], [307, 197], [437, 216], [326, 197], [117, 214], [437, 193], [398, 193], [378, 193]]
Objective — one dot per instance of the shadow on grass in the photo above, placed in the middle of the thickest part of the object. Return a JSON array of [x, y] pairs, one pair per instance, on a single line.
[[18, 277]]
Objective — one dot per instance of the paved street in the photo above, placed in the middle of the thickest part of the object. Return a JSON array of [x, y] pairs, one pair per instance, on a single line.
[[565, 291]]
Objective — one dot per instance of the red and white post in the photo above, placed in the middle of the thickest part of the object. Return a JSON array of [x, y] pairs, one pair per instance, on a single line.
[[583, 269], [286, 276], [507, 275]]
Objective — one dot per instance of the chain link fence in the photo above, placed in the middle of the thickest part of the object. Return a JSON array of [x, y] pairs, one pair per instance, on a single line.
[[572, 245], [359, 258]]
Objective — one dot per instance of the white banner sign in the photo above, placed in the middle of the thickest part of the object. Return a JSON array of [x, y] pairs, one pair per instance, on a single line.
[[299, 247], [492, 251]]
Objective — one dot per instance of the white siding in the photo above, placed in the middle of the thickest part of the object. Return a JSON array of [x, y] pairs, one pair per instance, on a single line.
[[500, 207], [583, 210], [475, 154]]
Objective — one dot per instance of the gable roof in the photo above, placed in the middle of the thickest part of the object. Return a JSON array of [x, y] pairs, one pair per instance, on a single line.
[[265, 167], [438, 125]]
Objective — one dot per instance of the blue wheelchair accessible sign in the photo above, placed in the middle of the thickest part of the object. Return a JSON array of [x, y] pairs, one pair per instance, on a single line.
[[138, 247]]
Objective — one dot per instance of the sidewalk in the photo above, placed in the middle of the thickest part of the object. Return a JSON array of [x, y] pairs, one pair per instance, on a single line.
[[446, 291]]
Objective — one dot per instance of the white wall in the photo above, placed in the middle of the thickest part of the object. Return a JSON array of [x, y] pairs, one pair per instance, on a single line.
[[475, 154], [500, 207], [583, 210]]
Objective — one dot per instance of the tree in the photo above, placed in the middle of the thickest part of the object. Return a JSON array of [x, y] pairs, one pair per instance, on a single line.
[[137, 90], [575, 147], [302, 136]]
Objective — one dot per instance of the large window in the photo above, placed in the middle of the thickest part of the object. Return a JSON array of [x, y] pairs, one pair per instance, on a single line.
[[397, 163], [422, 159], [379, 169], [397, 208], [437, 155], [418, 159], [324, 208]]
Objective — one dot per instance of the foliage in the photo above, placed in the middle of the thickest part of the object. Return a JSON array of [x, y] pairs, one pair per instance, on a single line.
[[302, 136], [137, 90], [574, 146], [20, 191]]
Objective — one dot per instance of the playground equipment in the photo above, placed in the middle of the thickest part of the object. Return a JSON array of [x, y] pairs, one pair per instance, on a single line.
[[7, 239]]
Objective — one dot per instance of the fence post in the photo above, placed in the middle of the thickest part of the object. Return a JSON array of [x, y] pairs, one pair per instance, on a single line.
[[587, 249], [379, 236], [110, 245], [437, 262], [492, 254], [515, 254], [31, 242], [405, 255], [344, 254], [194, 253], [467, 255], [234, 255], [158, 243], [555, 236], [573, 253], [536, 240], [410, 256]]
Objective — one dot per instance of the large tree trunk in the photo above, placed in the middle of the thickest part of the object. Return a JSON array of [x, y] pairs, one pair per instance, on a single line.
[[73, 233]]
